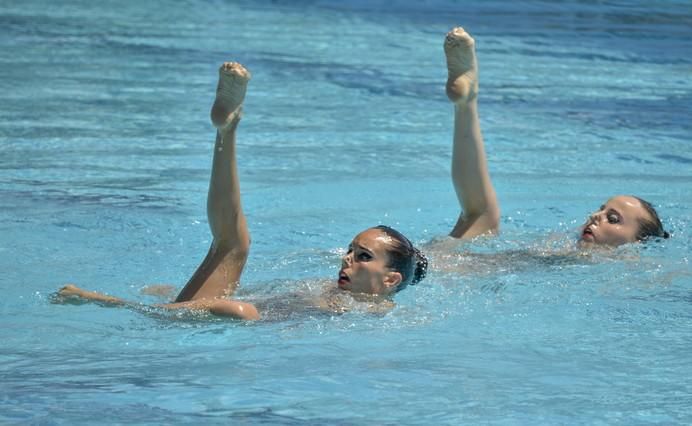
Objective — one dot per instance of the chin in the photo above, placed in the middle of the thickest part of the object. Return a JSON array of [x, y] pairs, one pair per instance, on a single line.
[[587, 242], [583, 244]]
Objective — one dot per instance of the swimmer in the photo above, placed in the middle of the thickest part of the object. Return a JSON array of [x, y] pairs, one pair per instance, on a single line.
[[379, 262], [622, 219]]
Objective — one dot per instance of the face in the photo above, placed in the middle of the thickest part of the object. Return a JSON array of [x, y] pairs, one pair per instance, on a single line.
[[364, 267], [615, 223]]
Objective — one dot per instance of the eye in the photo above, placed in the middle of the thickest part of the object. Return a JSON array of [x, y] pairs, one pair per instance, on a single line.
[[364, 256], [613, 218]]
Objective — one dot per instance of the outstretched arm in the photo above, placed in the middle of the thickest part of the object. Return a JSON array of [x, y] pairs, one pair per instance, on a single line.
[[220, 307], [480, 210], [220, 271], [71, 291]]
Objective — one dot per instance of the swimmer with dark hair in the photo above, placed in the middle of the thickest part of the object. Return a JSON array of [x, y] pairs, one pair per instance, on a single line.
[[622, 219], [379, 262]]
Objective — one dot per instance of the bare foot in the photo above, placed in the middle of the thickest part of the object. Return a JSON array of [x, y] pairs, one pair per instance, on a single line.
[[462, 68], [230, 93]]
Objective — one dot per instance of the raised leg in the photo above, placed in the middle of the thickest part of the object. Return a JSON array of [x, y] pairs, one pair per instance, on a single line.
[[480, 210], [218, 274], [220, 271]]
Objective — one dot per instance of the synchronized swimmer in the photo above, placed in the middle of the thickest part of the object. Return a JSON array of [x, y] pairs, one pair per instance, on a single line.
[[380, 261]]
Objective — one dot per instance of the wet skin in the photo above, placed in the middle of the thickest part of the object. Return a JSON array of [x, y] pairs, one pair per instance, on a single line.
[[364, 267], [615, 223]]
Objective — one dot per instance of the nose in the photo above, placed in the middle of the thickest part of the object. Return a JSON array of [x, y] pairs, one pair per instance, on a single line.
[[595, 217], [346, 259]]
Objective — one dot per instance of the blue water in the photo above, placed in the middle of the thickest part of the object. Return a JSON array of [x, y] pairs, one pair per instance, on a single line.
[[105, 152]]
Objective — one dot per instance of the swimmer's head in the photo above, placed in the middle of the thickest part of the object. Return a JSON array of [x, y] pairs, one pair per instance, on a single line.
[[623, 219], [381, 260]]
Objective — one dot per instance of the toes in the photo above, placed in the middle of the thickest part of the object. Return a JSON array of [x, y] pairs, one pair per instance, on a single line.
[[458, 36], [235, 69]]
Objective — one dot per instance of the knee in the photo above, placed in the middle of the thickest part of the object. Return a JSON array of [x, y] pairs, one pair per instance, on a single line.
[[234, 309]]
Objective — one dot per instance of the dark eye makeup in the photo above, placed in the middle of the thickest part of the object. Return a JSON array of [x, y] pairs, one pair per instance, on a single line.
[[360, 253], [364, 256], [613, 217]]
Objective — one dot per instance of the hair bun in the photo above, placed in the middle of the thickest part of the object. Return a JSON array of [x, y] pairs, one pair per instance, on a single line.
[[421, 269]]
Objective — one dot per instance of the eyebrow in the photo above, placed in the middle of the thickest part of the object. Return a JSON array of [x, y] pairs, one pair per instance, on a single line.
[[362, 247]]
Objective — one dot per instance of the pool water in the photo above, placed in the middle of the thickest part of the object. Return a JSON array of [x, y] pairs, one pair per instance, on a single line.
[[106, 148]]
